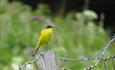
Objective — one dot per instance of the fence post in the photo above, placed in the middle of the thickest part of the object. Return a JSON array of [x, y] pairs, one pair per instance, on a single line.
[[46, 61]]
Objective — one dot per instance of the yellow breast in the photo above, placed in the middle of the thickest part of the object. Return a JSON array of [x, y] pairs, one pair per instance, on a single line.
[[45, 36]]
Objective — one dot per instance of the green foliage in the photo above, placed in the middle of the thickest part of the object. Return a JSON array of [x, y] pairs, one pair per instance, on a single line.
[[15, 30], [75, 35]]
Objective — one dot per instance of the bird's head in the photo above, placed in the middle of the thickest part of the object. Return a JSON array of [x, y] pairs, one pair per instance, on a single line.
[[50, 26]]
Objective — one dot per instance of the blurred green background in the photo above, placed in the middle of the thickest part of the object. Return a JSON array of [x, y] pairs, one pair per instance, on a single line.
[[76, 35]]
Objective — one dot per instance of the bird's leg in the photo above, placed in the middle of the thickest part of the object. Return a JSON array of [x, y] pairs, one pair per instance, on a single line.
[[46, 45], [33, 55]]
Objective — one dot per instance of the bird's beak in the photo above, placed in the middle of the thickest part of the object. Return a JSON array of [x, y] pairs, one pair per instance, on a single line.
[[53, 26]]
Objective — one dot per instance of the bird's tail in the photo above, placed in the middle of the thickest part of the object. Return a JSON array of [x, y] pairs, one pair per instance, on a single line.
[[36, 49]]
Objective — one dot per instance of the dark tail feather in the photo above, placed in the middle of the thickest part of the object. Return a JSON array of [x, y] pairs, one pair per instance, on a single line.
[[35, 50]]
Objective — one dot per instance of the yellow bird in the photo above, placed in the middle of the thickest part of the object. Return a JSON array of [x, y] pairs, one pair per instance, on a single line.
[[45, 36]]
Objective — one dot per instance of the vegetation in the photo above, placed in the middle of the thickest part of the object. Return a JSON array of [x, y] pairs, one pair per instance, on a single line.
[[76, 35]]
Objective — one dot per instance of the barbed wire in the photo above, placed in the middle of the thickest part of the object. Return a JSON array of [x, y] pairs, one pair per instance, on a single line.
[[73, 59], [27, 63], [77, 59], [90, 58], [86, 58], [101, 55], [99, 58]]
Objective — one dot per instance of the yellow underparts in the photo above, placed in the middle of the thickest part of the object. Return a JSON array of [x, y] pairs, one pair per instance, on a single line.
[[45, 36]]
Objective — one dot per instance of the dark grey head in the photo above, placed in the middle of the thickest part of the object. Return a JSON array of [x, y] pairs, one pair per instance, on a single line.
[[50, 26]]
